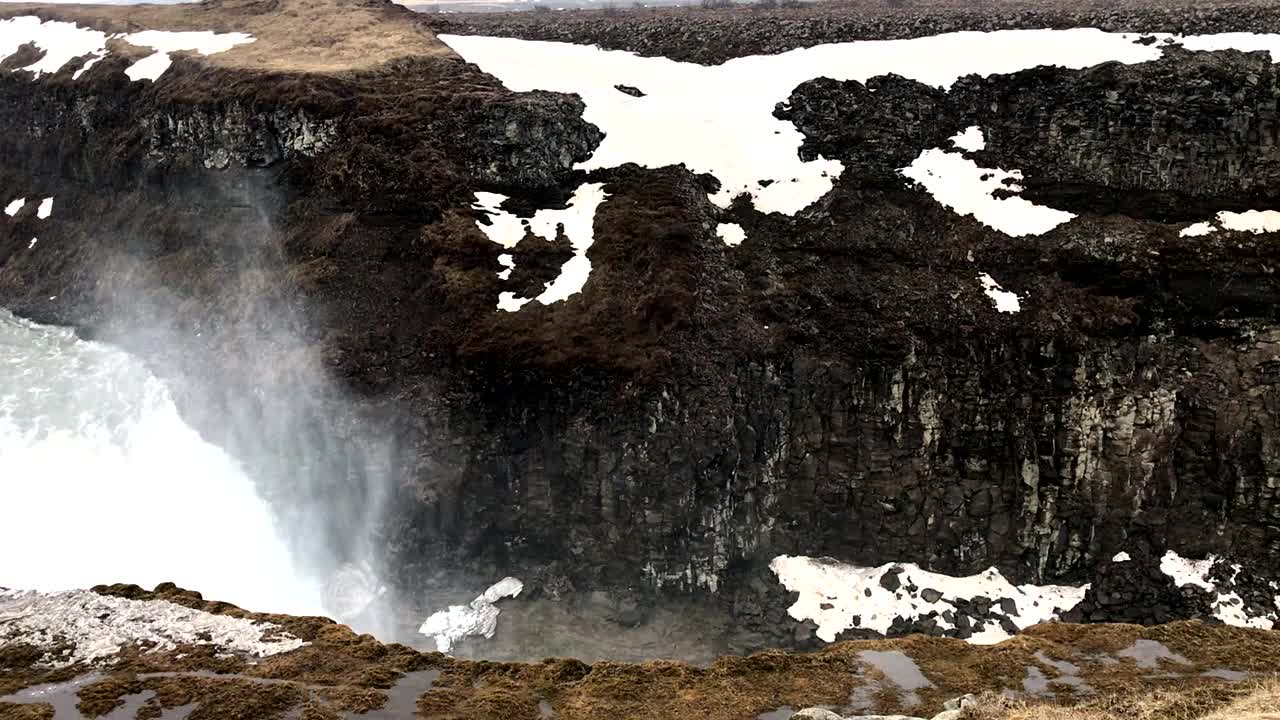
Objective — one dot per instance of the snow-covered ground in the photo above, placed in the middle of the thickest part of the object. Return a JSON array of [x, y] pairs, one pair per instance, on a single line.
[[63, 42], [449, 626], [1004, 301], [577, 221], [961, 185], [1227, 604], [839, 597], [1254, 221], [719, 119], [99, 626]]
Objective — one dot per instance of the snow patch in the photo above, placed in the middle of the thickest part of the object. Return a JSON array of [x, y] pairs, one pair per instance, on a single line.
[[507, 262], [1121, 556], [63, 42], [958, 183], [163, 42], [1227, 606], [46, 208], [100, 626], [31, 244], [1199, 229], [12, 208], [1187, 572], [1005, 301], [478, 618], [731, 233], [1243, 41], [838, 597], [719, 119], [971, 139], [578, 223], [1254, 221]]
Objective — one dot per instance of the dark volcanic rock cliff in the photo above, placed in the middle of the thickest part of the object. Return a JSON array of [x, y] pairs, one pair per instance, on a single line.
[[838, 385]]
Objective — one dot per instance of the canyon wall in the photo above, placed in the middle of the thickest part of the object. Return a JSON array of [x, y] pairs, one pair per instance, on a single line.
[[837, 385]]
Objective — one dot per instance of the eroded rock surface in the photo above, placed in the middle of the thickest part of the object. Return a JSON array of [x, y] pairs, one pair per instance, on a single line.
[[837, 384]]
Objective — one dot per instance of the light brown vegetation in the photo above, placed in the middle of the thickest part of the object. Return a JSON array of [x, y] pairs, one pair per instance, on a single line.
[[314, 36], [340, 671], [1254, 701]]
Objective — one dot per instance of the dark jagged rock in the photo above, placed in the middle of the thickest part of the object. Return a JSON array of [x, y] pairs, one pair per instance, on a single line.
[[726, 34], [890, 580], [1137, 591], [836, 386]]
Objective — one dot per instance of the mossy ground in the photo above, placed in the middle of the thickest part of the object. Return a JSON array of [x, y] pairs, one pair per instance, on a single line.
[[341, 672]]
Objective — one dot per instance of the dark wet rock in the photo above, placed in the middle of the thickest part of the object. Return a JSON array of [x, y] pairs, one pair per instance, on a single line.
[[629, 90], [930, 595], [837, 386], [891, 579], [1137, 591]]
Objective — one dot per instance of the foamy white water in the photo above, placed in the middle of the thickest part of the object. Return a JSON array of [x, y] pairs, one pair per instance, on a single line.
[[101, 481]]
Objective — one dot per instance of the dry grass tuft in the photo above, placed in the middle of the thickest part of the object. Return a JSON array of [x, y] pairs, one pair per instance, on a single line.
[[1260, 701], [314, 36]]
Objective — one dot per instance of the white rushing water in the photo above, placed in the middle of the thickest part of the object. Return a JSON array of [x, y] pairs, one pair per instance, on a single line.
[[102, 482]]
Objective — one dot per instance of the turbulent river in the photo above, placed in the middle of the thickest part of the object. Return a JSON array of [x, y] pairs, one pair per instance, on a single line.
[[101, 481]]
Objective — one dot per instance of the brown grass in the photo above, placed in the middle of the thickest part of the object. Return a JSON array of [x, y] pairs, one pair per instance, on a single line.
[[1262, 703], [313, 36], [1259, 701], [341, 671]]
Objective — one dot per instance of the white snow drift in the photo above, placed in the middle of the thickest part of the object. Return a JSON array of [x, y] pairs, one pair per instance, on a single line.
[[961, 185], [63, 42], [43, 210], [1005, 301], [100, 626], [731, 233], [577, 221], [719, 119], [478, 618], [205, 43], [839, 597], [971, 139], [1253, 221]]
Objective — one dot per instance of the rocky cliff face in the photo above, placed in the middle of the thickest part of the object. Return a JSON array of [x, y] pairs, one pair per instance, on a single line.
[[836, 386]]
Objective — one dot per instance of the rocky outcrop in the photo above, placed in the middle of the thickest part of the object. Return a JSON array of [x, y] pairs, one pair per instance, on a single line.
[[723, 34], [297, 253]]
